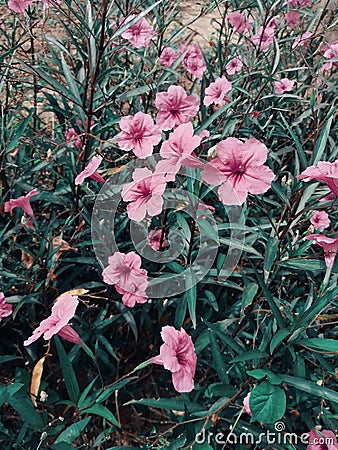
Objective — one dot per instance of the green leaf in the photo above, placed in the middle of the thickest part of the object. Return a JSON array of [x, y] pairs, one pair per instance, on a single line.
[[321, 142], [278, 338], [301, 153], [267, 403], [84, 394], [191, 296], [106, 393], [68, 372], [303, 264], [103, 411], [274, 308], [170, 404], [270, 256], [259, 374], [23, 405], [212, 300], [249, 355], [311, 388], [19, 132], [219, 364], [249, 293], [73, 431], [325, 345]]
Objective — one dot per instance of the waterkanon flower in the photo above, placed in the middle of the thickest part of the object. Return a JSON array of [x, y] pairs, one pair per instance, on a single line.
[[239, 169], [63, 311], [177, 354]]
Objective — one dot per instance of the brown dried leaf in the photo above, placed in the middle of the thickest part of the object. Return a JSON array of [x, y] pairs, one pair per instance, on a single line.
[[27, 260], [36, 380]]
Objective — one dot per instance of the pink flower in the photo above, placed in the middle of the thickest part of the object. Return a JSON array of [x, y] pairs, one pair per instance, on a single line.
[[299, 3], [124, 271], [2, 25], [284, 85], [19, 6], [330, 53], [90, 171], [63, 311], [154, 239], [215, 92], [22, 202], [178, 151], [144, 193], [326, 440], [235, 65], [5, 308], [264, 37], [73, 138], [247, 405], [239, 169], [320, 220], [140, 34], [292, 19], [138, 134], [193, 60], [329, 245], [168, 57], [238, 21], [175, 107], [177, 354], [324, 171], [302, 41]]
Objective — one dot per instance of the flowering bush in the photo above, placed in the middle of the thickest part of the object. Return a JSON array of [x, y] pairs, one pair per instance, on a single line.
[[168, 226]]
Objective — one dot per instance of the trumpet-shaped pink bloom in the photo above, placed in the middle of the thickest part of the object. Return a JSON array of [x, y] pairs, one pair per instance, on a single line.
[[329, 245], [125, 273], [139, 133], [154, 239], [175, 107], [239, 169], [326, 440], [91, 171], [19, 6], [178, 151], [168, 57], [63, 311], [330, 53], [264, 37], [320, 220], [145, 194], [177, 354], [140, 34], [284, 85], [324, 171], [292, 19], [72, 138], [238, 22], [193, 60], [235, 65], [246, 404], [22, 202], [5, 308], [302, 41], [215, 92]]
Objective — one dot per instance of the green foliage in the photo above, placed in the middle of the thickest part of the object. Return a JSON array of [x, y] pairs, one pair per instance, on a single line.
[[262, 323]]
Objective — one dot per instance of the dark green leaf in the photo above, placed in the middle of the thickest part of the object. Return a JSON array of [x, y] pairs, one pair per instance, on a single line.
[[267, 403]]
